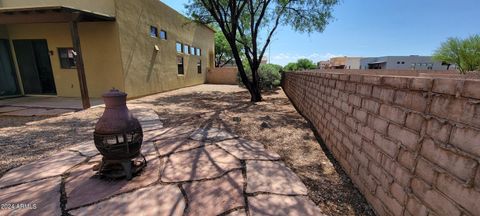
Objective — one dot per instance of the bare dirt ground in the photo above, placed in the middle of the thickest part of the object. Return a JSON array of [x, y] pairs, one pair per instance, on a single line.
[[273, 122]]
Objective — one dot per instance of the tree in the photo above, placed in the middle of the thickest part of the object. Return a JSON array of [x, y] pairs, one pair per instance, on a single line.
[[223, 52], [465, 54], [301, 64], [247, 22], [292, 66], [269, 76], [305, 64]]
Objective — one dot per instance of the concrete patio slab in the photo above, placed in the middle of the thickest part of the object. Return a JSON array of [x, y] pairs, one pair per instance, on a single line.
[[247, 150], [278, 205], [153, 200], [54, 165], [40, 198], [197, 164], [273, 177], [49, 102], [10, 109], [220, 195]]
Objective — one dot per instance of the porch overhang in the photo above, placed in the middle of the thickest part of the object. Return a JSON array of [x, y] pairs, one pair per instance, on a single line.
[[49, 14]]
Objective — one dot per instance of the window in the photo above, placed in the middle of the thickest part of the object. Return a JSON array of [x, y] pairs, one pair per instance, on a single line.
[[67, 58], [186, 49], [199, 52], [403, 62], [153, 31], [163, 35], [180, 65], [192, 50], [398, 62], [199, 66], [179, 47]]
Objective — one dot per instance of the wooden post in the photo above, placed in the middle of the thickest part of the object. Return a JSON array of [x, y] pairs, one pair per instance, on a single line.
[[80, 68]]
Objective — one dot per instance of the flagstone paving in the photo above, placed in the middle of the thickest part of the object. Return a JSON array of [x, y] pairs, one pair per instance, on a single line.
[[190, 171]]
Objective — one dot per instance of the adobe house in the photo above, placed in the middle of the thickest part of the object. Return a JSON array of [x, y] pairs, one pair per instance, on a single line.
[[71, 48]]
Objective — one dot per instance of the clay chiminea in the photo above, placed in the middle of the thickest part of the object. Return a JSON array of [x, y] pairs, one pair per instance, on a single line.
[[118, 136]]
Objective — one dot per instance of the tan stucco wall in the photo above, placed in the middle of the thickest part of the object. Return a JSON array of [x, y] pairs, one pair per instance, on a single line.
[[146, 71], [99, 6], [100, 49], [223, 75]]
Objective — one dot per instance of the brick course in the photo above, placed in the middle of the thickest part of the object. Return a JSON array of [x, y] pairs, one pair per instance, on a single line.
[[410, 144]]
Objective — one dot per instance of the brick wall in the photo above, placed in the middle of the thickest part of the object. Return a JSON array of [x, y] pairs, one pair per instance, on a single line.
[[410, 144]]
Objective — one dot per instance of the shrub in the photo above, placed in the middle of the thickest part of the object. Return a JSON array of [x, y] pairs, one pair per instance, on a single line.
[[269, 76]]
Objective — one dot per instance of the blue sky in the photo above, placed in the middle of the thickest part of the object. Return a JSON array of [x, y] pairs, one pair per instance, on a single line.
[[376, 28]]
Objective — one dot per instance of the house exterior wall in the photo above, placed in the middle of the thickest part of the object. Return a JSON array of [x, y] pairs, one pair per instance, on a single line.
[[409, 144], [405, 63], [100, 49], [147, 71], [106, 7], [352, 63]]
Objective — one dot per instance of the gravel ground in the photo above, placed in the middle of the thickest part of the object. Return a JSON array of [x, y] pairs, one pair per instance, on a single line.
[[273, 122]]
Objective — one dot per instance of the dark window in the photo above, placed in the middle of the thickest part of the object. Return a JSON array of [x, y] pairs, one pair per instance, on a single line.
[[186, 49], [398, 62], [153, 31], [180, 65], [163, 35], [403, 62], [199, 66], [179, 47], [67, 58]]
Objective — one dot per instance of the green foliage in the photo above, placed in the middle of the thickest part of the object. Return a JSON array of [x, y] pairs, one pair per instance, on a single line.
[[269, 76], [464, 53], [301, 64], [305, 64], [223, 52], [292, 66]]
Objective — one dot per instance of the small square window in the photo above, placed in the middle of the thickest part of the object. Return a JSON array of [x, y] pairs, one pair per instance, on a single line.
[[179, 47], [180, 65], [153, 31], [67, 58], [199, 66], [163, 35], [398, 62], [403, 62]]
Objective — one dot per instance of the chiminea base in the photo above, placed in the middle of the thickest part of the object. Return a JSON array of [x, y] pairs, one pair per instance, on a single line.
[[116, 169]]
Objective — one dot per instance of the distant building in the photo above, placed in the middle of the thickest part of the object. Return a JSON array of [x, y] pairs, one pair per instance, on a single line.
[[352, 63], [413, 62], [338, 62], [323, 64]]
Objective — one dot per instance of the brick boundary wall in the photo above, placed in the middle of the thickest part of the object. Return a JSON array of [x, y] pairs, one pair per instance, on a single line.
[[410, 144]]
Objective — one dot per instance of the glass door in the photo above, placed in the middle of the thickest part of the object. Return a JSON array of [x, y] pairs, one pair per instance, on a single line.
[[8, 78], [35, 67]]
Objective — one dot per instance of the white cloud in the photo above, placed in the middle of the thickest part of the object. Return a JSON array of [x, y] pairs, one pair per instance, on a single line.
[[285, 58]]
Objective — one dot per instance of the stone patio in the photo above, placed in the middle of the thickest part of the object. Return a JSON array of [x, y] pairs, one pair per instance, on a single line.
[[190, 171]]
